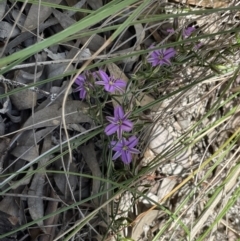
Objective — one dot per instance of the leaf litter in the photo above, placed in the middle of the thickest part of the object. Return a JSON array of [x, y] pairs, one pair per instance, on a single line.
[[38, 119]]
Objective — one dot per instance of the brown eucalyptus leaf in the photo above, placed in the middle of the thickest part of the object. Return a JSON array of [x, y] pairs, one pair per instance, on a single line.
[[90, 158], [6, 29], [25, 99], [25, 152], [9, 206], [140, 35], [3, 144], [51, 222], [147, 219], [35, 205], [7, 223], [75, 112], [144, 99], [15, 14], [53, 70], [65, 21], [34, 13], [61, 182], [26, 149], [22, 182], [2, 8], [47, 145], [76, 4], [96, 42], [95, 4], [2, 126]]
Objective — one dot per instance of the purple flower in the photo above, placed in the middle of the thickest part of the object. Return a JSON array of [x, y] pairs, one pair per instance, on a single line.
[[188, 31], [119, 122], [125, 149], [170, 30], [198, 46], [161, 56], [81, 82], [110, 84]]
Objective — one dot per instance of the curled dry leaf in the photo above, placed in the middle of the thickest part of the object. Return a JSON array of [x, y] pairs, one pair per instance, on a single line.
[[34, 13]]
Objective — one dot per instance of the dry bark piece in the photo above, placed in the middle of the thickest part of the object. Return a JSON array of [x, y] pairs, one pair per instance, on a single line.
[[34, 13]]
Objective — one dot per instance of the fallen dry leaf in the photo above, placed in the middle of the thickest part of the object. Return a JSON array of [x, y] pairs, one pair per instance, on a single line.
[[35, 12]]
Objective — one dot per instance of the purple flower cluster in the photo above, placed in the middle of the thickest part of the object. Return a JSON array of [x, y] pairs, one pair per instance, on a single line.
[[123, 147], [119, 122], [109, 82]]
